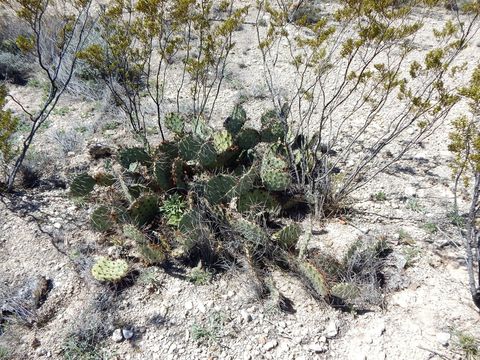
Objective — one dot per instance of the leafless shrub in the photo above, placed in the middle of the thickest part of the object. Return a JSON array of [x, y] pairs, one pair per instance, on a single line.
[[68, 140]]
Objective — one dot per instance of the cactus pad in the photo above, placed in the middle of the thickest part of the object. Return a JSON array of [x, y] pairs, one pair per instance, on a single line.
[[315, 278], [189, 147], [82, 185], [248, 138], [108, 270], [102, 219], [222, 141], [129, 156], [257, 201], [288, 236], [207, 156], [175, 123], [272, 129], [345, 291], [220, 189], [234, 123], [162, 173], [251, 232], [144, 209], [274, 172]]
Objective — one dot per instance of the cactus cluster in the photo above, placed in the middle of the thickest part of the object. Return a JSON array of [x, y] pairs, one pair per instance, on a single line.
[[211, 194]]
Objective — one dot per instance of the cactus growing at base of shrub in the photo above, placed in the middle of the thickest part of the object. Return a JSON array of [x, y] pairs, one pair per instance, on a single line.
[[82, 185], [247, 138], [315, 278], [220, 189], [101, 219], [144, 209], [222, 141], [288, 236], [345, 291], [257, 201], [234, 123], [175, 123], [129, 156], [274, 172], [272, 129], [109, 270]]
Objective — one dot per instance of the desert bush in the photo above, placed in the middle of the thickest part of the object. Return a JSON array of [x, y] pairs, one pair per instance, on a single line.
[[465, 146], [8, 128], [54, 45], [360, 87], [139, 44]]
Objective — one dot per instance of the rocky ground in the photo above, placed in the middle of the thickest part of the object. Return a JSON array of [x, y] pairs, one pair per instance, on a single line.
[[47, 249]]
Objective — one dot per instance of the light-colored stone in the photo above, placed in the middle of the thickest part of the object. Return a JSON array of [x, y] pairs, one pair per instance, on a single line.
[[127, 333], [443, 338], [117, 335], [270, 345], [331, 330]]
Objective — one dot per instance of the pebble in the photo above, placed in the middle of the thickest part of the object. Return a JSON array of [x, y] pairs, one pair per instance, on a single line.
[[245, 316], [331, 331], [57, 225], [127, 333], [117, 335], [318, 348], [270, 345], [443, 338], [410, 191]]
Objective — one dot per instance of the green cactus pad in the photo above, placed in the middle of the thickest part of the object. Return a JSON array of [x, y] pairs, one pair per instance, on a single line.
[[315, 278], [272, 129], [104, 179], [345, 291], [234, 123], [144, 209], [133, 233], [274, 173], [175, 123], [248, 138], [109, 270], [288, 236], [167, 150], [251, 232], [162, 173], [257, 201], [222, 141], [179, 169], [129, 156], [82, 185], [207, 156], [220, 189], [102, 219], [189, 147], [246, 181], [151, 253]]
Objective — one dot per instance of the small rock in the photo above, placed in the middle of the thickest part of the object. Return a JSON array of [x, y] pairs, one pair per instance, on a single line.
[[270, 345], [117, 336], [127, 333], [331, 331], [57, 225], [98, 151], [245, 316], [318, 348], [443, 338], [188, 305]]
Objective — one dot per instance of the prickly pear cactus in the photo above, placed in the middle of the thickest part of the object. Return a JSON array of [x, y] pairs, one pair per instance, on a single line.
[[247, 180], [272, 129], [257, 201], [248, 138], [234, 123], [144, 209], [102, 219], [315, 278], [220, 189], [109, 270], [207, 156], [288, 236], [82, 185], [274, 172], [150, 253], [175, 123], [189, 147], [251, 232], [167, 150], [162, 173], [345, 291], [129, 156], [222, 141], [104, 179], [179, 169]]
